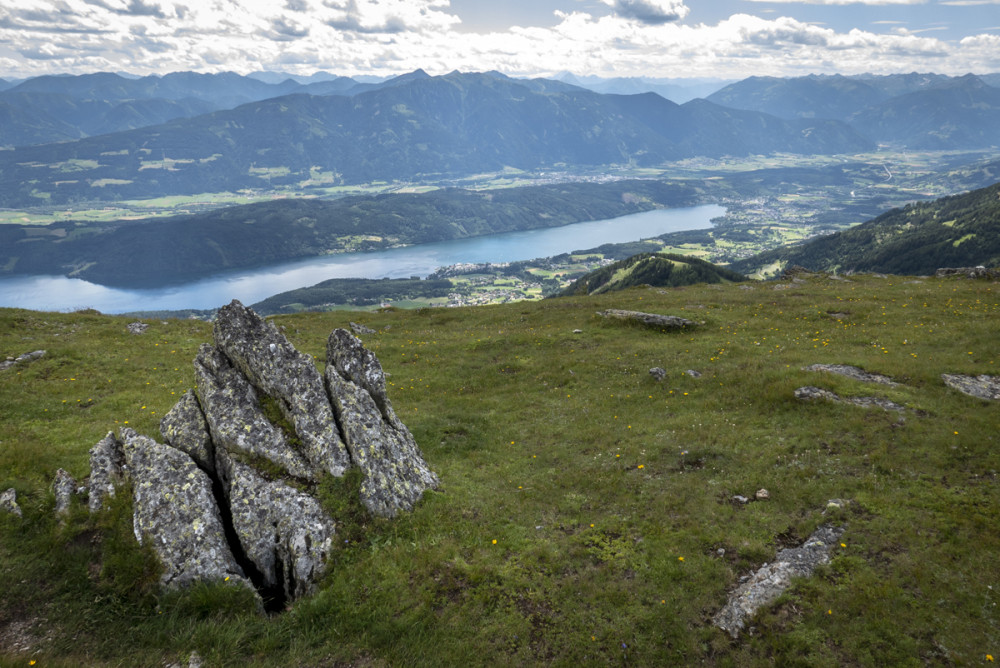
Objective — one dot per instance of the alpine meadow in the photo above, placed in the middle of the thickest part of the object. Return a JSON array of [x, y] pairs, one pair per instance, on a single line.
[[448, 333]]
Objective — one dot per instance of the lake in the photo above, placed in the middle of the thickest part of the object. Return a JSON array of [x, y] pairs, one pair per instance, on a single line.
[[58, 293]]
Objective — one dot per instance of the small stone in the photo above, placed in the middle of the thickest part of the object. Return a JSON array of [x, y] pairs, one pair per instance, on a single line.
[[762, 494], [659, 373], [578, 331], [739, 498], [721, 552], [137, 327], [693, 373], [8, 502]]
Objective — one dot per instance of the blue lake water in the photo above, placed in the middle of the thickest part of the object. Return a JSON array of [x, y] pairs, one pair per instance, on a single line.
[[58, 293]]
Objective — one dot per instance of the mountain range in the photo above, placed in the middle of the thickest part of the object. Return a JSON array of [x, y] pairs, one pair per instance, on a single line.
[[414, 127], [914, 111]]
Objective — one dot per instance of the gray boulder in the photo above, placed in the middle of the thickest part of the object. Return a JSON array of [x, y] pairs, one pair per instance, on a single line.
[[184, 427], [771, 580], [276, 368], [8, 502], [107, 460], [658, 373], [235, 418], [175, 513], [394, 472], [648, 319], [282, 530], [981, 387], [853, 372]]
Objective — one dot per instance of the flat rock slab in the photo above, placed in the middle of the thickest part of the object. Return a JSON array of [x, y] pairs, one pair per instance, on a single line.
[[771, 580], [853, 372], [648, 319], [21, 359], [810, 393], [981, 387]]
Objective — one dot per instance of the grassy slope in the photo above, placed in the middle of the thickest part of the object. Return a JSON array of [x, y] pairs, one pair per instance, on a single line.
[[606, 493]]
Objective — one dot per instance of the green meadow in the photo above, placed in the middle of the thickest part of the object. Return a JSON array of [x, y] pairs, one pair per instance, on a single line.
[[586, 512]]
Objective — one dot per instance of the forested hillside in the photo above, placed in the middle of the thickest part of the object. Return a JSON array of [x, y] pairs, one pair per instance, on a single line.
[[962, 230]]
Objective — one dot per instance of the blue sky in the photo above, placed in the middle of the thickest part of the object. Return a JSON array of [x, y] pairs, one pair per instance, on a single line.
[[652, 38]]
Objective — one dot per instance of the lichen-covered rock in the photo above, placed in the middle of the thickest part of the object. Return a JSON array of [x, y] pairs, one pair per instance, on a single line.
[[64, 487], [395, 474], [981, 387], [648, 319], [771, 580], [8, 502], [106, 461], [235, 418], [853, 372], [184, 427], [658, 373], [275, 367], [283, 531], [810, 393], [175, 513]]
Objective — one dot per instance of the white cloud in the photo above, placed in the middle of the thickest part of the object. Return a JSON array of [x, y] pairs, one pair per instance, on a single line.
[[638, 38], [846, 2], [653, 12]]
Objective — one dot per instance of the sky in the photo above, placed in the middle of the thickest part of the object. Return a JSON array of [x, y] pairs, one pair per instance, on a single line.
[[727, 39]]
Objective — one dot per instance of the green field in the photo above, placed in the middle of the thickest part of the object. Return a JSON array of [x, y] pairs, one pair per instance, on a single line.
[[583, 504]]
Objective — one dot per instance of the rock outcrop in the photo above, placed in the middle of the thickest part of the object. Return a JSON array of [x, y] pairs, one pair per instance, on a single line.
[[981, 387], [810, 393], [229, 494], [64, 487], [8, 502], [968, 272], [771, 580], [853, 372], [648, 319], [21, 359]]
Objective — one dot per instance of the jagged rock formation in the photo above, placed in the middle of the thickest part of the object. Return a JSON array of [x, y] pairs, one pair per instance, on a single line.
[[175, 511], [810, 393], [981, 387], [853, 372], [227, 496], [8, 502], [648, 319], [395, 473], [771, 580]]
